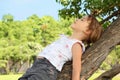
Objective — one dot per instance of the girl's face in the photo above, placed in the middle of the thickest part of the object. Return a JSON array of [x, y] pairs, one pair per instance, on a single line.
[[81, 25]]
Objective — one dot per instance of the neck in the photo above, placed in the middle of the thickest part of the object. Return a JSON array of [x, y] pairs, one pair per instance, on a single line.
[[78, 36]]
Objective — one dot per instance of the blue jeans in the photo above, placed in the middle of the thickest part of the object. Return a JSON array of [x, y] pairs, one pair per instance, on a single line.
[[42, 69]]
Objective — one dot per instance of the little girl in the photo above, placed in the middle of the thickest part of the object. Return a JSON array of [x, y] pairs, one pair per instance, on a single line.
[[50, 61]]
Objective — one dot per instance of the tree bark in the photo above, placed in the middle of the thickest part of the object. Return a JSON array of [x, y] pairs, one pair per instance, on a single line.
[[96, 54], [108, 75]]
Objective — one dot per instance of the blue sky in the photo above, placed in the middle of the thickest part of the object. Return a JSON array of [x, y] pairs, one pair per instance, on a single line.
[[21, 9]]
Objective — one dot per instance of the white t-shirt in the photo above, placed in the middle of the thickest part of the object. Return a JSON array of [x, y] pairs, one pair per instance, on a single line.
[[60, 51]]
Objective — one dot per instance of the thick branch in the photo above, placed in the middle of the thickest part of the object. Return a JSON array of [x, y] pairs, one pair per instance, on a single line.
[[108, 75]]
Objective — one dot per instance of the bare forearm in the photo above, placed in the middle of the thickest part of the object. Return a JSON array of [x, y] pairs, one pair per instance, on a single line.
[[75, 76], [76, 73]]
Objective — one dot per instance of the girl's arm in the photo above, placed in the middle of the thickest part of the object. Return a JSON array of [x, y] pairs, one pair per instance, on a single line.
[[77, 53]]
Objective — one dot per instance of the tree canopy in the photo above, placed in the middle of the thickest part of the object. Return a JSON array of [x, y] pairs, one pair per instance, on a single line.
[[100, 8]]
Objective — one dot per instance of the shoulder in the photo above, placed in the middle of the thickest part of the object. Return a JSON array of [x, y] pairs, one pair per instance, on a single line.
[[77, 47], [76, 51], [79, 44]]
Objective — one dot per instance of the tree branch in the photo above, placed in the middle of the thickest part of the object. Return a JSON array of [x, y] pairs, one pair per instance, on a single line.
[[108, 75], [109, 17]]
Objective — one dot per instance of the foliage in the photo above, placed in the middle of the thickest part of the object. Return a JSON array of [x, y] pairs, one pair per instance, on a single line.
[[101, 8], [7, 18], [3, 63]]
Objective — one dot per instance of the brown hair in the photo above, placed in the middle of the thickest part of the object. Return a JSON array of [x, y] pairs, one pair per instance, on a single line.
[[96, 29]]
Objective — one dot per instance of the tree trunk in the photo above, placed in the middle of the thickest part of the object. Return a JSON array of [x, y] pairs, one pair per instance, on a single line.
[[96, 54], [108, 75]]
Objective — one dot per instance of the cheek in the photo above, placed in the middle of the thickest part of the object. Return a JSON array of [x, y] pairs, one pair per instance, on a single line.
[[75, 27], [80, 24], [85, 25]]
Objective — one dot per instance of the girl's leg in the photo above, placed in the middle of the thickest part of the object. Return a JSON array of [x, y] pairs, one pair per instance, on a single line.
[[42, 69]]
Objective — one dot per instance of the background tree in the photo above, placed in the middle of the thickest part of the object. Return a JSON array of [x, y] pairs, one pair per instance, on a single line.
[[7, 18]]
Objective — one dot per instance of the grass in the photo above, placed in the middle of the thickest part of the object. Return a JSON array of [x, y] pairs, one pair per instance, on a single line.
[[10, 77], [16, 76]]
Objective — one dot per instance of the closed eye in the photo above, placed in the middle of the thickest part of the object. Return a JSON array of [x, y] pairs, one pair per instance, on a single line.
[[76, 20], [82, 20]]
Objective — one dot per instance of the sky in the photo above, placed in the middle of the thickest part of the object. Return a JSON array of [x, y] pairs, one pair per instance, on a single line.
[[22, 9]]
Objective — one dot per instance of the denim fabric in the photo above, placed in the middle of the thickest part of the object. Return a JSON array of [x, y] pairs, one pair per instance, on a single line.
[[42, 69]]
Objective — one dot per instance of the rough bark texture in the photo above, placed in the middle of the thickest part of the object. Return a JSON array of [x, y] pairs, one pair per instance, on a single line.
[[108, 75], [96, 54]]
